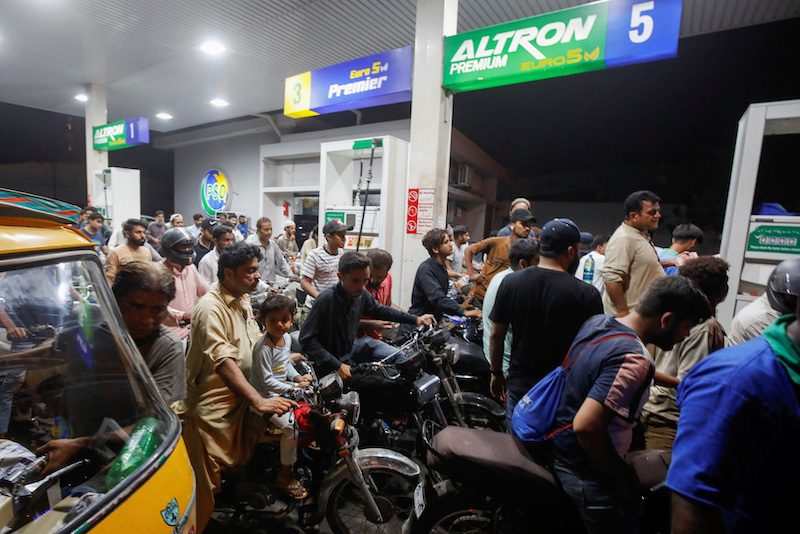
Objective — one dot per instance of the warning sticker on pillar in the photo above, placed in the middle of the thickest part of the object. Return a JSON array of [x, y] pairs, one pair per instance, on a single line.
[[419, 210]]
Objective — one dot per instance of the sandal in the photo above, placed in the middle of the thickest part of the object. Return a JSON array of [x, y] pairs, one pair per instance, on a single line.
[[294, 490]]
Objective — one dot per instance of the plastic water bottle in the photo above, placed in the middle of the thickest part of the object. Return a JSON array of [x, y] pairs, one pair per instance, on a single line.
[[588, 270]]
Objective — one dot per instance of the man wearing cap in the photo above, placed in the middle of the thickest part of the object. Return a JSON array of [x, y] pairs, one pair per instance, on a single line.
[[516, 204], [496, 249], [321, 266], [205, 242], [631, 260], [753, 319], [287, 241], [545, 306], [734, 463]]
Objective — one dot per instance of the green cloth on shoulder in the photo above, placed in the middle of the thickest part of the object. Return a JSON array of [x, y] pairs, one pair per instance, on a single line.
[[785, 350]]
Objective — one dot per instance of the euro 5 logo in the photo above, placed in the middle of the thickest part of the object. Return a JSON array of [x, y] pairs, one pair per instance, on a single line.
[[214, 192]]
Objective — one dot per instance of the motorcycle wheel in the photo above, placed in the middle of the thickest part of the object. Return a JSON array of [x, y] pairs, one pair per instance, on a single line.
[[345, 510], [457, 514]]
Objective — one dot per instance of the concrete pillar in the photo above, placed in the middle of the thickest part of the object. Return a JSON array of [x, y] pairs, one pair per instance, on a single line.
[[431, 125], [96, 115]]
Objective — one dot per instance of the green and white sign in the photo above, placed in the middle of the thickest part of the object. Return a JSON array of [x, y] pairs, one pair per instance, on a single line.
[[330, 215], [594, 36], [775, 238], [121, 134]]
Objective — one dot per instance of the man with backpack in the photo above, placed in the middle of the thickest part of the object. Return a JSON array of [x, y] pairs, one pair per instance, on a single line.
[[608, 372]]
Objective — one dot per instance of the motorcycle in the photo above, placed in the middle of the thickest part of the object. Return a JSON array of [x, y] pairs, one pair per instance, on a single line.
[[418, 384], [354, 489], [487, 482]]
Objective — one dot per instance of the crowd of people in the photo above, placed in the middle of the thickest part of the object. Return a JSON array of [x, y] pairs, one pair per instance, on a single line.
[[650, 366]]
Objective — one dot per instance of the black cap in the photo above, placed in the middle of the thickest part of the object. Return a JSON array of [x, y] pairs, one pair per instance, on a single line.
[[208, 224], [557, 236], [522, 215], [335, 226]]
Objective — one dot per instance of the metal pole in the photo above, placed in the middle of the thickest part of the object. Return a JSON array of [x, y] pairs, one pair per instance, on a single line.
[[366, 194]]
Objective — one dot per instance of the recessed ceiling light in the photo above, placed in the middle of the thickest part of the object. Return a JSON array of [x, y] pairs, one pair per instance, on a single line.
[[220, 103], [480, 77], [81, 98], [163, 116], [212, 48]]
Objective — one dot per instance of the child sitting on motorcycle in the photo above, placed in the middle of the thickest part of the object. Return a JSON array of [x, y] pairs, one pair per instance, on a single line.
[[273, 374]]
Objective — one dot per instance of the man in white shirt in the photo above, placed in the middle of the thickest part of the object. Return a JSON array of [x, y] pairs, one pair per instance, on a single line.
[[754, 318], [594, 275], [195, 229], [223, 238], [273, 262]]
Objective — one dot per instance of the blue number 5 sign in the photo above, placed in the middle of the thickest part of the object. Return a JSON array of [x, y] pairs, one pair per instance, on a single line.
[[641, 31]]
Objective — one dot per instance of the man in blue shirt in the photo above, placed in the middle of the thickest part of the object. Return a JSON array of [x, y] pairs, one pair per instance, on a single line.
[[734, 463], [608, 377], [685, 237]]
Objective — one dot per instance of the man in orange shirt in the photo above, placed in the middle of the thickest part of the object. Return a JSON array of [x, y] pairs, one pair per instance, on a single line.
[[496, 251]]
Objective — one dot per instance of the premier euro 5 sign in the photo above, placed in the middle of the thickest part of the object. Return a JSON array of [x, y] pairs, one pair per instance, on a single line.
[[214, 192], [376, 80], [594, 36]]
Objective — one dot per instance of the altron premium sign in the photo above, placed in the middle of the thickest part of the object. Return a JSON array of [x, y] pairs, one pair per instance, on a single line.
[[608, 33], [121, 134], [214, 192], [376, 80]]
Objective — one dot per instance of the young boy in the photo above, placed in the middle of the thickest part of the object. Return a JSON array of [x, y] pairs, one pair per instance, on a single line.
[[273, 374]]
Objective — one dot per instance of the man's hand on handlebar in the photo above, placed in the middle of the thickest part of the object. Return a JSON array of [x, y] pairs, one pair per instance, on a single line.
[[474, 313], [426, 319], [274, 405], [297, 357], [16, 333], [344, 372]]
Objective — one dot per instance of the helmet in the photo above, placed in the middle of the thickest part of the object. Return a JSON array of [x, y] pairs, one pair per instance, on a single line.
[[783, 287], [170, 243]]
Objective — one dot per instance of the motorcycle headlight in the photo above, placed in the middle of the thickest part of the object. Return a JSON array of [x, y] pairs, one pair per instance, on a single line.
[[330, 387], [351, 403]]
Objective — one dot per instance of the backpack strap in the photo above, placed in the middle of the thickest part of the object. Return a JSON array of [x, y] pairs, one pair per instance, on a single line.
[[567, 363]]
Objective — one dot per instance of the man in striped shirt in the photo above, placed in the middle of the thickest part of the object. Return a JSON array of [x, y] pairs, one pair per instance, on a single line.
[[321, 265]]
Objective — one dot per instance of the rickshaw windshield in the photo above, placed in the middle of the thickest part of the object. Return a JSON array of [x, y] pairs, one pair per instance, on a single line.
[[78, 412]]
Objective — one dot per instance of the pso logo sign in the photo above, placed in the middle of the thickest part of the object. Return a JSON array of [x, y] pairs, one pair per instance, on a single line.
[[214, 192]]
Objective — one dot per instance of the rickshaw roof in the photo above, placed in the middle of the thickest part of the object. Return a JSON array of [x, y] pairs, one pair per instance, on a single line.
[[30, 223]]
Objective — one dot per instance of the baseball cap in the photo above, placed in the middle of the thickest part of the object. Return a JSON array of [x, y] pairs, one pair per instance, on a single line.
[[335, 226], [557, 236], [208, 224], [586, 238], [523, 215]]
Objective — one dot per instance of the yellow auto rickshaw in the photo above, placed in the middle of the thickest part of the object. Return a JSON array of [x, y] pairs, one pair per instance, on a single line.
[[71, 377]]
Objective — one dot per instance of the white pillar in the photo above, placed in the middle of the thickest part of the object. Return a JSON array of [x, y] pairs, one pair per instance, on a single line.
[[431, 125], [96, 115]]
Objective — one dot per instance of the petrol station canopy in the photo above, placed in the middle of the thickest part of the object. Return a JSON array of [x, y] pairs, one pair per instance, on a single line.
[[149, 53]]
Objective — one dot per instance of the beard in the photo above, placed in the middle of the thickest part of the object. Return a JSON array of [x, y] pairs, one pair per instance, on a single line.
[[573, 267]]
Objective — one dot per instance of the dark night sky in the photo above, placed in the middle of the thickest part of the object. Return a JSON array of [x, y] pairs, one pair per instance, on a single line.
[[669, 126]]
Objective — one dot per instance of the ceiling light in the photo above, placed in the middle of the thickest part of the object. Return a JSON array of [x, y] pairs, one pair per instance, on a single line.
[[212, 48], [218, 102], [163, 116], [81, 98]]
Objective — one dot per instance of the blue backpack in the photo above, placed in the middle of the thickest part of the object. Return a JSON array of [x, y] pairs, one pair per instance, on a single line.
[[535, 413]]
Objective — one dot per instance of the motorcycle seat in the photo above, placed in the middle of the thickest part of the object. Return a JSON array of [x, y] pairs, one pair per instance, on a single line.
[[487, 458]]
